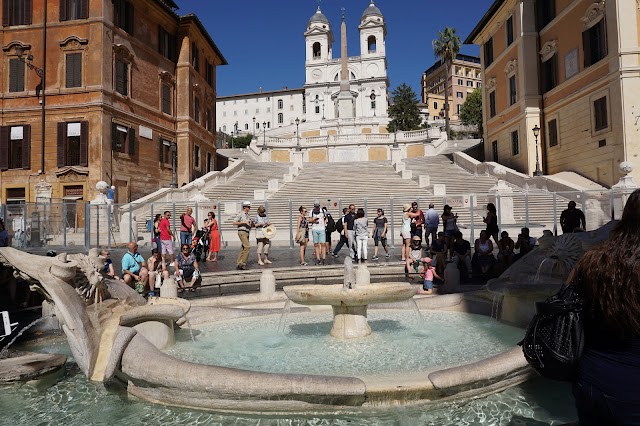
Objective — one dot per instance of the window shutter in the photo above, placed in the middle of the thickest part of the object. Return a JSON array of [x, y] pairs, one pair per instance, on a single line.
[[16, 75], [161, 35], [129, 17], [172, 47], [131, 140], [27, 12], [161, 150], [586, 47], [5, 17], [62, 136], [4, 146], [26, 147], [84, 9], [121, 77], [77, 69], [84, 143], [69, 69], [114, 133], [63, 10]]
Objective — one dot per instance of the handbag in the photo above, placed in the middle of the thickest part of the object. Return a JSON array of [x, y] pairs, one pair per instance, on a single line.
[[554, 339], [299, 239]]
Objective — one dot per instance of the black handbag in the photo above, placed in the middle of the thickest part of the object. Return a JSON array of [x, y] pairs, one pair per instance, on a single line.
[[554, 339]]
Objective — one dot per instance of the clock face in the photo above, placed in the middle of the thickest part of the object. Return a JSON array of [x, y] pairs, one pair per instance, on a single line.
[[316, 74]]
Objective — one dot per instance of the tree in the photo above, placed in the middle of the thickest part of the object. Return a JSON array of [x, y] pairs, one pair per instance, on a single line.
[[446, 47], [404, 112], [471, 110], [241, 141]]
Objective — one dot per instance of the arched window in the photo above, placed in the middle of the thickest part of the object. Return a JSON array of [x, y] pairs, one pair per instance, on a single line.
[[316, 50], [280, 104], [246, 126], [371, 42], [280, 118], [224, 128]]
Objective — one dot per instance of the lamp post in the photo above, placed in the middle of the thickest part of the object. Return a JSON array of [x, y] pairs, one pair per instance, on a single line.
[[232, 139], [173, 149], [373, 102], [323, 110], [395, 135], [39, 89], [264, 134], [536, 132], [254, 126], [297, 134]]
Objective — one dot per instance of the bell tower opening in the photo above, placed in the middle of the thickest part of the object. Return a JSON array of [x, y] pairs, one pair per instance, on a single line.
[[371, 44]]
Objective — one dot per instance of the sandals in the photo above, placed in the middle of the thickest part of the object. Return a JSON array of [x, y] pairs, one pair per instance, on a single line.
[[180, 290], [192, 290]]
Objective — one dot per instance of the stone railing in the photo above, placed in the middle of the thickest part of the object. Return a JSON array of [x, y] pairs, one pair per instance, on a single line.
[[424, 135]]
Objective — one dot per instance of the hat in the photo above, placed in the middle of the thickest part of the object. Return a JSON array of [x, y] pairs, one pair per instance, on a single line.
[[426, 260], [246, 204], [446, 207], [406, 207], [270, 232], [416, 238], [316, 203]]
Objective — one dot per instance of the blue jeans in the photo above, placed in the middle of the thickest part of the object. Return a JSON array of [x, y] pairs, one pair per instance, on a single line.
[[185, 238], [343, 241]]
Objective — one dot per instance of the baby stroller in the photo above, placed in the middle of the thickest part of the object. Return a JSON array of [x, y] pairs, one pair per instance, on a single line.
[[200, 244]]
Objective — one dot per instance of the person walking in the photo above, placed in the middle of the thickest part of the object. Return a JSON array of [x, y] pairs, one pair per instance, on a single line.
[[187, 227], [432, 222], [351, 235], [214, 237], [341, 227], [156, 231], [361, 230], [380, 234], [572, 219], [318, 231], [167, 237], [450, 226], [262, 221], [417, 221], [302, 234], [244, 223], [492, 222]]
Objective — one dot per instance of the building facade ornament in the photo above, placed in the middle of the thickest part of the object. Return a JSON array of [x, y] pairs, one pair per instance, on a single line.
[[511, 67], [14, 44], [73, 43], [548, 50], [122, 52], [491, 83], [166, 77], [593, 15]]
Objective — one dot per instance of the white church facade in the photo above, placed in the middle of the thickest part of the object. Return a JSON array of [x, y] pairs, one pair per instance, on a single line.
[[316, 105]]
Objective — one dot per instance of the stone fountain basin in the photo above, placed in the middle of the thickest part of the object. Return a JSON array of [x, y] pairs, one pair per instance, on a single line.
[[337, 295]]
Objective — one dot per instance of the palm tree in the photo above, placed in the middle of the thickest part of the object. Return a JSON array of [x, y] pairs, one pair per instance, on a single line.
[[446, 47]]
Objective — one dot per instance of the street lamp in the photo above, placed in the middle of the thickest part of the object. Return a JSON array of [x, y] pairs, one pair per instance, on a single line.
[[254, 126], [536, 132], [297, 134], [323, 110], [264, 134], [395, 135], [373, 102], [39, 89], [232, 137]]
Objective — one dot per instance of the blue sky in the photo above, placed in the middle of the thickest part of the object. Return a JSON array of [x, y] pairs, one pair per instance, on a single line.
[[277, 59]]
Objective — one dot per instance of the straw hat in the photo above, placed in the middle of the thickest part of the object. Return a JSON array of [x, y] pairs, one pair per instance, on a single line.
[[270, 232], [406, 207]]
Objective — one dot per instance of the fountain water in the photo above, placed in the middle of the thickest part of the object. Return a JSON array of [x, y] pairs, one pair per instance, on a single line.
[[5, 351]]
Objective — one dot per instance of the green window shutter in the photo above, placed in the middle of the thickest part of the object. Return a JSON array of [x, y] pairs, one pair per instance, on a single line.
[[26, 147], [84, 143], [131, 140], [62, 136], [4, 146]]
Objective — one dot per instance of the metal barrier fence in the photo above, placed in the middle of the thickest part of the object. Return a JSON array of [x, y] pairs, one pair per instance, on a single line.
[[68, 224]]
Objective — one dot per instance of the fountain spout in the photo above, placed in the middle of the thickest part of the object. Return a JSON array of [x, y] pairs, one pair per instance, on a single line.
[[349, 274]]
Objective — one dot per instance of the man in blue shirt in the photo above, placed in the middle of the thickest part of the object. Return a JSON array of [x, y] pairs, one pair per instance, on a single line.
[[134, 268]]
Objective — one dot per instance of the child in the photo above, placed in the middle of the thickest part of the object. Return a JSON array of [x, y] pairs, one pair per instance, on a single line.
[[415, 254], [428, 273]]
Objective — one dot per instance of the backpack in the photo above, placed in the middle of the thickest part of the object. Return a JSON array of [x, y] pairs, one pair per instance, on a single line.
[[331, 224], [339, 226], [149, 225]]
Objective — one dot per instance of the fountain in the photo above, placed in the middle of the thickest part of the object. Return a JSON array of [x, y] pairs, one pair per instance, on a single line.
[[349, 301]]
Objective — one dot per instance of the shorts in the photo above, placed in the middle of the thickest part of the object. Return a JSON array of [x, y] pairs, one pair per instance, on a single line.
[[450, 232], [383, 240], [427, 285], [167, 246], [406, 235], [319, 236]]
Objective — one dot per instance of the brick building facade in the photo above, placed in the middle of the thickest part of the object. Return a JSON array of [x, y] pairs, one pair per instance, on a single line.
[[128, 84]]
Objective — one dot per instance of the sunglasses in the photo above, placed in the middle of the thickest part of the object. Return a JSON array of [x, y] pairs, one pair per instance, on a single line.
[[185, 248]]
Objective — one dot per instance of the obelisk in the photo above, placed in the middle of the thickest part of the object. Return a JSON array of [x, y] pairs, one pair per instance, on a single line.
[[346, 104]]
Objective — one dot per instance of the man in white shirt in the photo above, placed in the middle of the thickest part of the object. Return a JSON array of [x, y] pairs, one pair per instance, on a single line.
[[432, 221], [318, 231]]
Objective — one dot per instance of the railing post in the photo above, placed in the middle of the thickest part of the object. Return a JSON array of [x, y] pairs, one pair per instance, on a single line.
[[130, 221], [391, 217], [498, 211], [340, 205], [526, 209], [472, 224], [197, 221], [365, 208], [584, 205], [152, 230], [291, 225], [64, 224], [44, 225], [98, 225], [612, 201], [555, 213], [87, 225], [110, 209], [173, 224]]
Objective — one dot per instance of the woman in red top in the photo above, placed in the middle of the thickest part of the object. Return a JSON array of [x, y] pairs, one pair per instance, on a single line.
[[214, 237]]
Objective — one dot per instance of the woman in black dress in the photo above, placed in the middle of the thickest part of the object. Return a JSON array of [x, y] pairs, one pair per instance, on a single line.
[[492, 222]]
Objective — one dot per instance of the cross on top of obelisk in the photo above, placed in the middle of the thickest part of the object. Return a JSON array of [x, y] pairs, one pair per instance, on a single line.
[[342, 13]]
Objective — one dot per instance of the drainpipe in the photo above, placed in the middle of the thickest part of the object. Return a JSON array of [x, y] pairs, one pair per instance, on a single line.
[[543, 121]]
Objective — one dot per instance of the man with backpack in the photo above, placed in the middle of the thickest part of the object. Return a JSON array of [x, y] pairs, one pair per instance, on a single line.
[[342, 231], [330, 228]]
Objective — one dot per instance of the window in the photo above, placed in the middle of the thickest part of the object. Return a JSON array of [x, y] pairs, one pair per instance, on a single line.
[[492, 104], [166, 149], [435, 105], [208, 120], [459, 95], [122, 77], [209, 162], [123, 15], [257, 125], [600, 114], [166, 44], [460, 82], [515, 143], [123, 139], [509, 30], [196, 109], [246, 112], [316, 50], [16, 195], [16, 12], [459, 108], [235, 113], [209, 73], [553, 132], [549, 74], [317, 109], [494, 150], [74, 9], [246, 126], [469, 83], [280, 104], [15, 147], [195, 56], [478, 84], [512, 90], [268, 124], [280, 118], [73, 144], [269, 109], [594, 43], [488, 52], [371, 43], [224, 128], [16, 75], [196, 156], [545, 12], [166, 98], [73, 70]]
